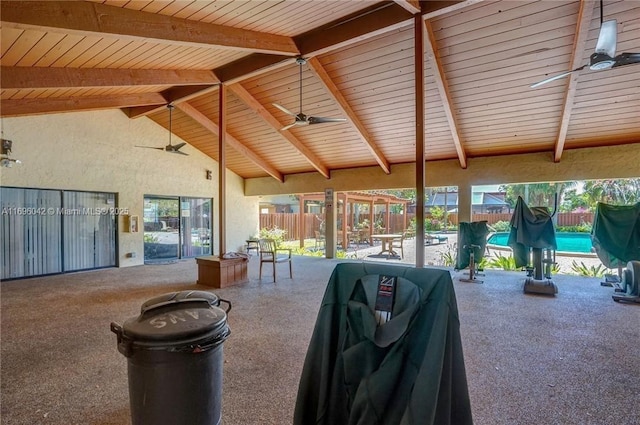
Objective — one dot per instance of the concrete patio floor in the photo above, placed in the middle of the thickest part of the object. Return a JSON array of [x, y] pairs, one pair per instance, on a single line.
[[568, 359]]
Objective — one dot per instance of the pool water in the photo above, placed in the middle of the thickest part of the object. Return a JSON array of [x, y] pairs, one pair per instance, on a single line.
[[567, 242]]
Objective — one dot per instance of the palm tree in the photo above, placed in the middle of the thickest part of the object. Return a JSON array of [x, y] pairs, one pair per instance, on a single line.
[[620, 191], [537, 194]]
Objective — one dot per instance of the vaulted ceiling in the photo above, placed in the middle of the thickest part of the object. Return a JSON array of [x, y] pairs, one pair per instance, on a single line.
[[480, 59]]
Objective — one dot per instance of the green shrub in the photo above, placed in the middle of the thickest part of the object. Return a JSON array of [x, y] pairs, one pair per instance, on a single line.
[[275, 233], [589, 271], [432, 225], [503, 262], [306, 251], [581, 228], [437, 213], [500, 226], [447, 257], [149, 238]]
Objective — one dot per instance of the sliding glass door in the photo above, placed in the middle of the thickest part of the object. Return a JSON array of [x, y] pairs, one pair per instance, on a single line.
[[176, 227], [161, 227], [89, 229], [54, 231], [31, 232], [196, 226]]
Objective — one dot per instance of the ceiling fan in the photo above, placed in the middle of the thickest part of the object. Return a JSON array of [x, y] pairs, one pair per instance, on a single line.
[[604, 56], [300, 118], [169, 148]]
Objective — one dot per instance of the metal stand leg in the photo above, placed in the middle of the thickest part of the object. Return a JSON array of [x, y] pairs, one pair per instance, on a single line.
[[472, 264]]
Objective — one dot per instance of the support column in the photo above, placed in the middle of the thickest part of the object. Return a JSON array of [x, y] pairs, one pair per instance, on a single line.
[[222, 169], [301, 223], [464, 203], [418, 27], [371, 218], [331, 228], [345, 221], [387, 223]]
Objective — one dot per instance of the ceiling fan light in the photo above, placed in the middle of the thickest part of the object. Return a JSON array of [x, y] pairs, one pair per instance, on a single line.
[[599, 66], [600, 61]]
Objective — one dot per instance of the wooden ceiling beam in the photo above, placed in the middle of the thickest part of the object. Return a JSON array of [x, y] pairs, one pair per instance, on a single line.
[[173, 95], [89, 18], [36, 106], [443, 88], [262, 112], [250, 66], [40, 77], [319, 71], [381, 18], [204, 121], [411, 6], [378, 19], [585, 14], [431, 9]]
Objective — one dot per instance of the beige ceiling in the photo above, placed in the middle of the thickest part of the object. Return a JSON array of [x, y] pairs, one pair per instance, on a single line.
[[480, 57]]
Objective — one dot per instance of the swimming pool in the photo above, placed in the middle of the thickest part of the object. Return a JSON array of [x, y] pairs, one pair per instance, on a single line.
[[567, 242]]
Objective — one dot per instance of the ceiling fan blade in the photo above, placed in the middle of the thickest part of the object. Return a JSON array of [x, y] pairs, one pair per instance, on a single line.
[[320, 120], [176, 147], [607, 38], [283, 109], [287, 127], [149, 147], [180, 153], [626, 59], [557, 77]]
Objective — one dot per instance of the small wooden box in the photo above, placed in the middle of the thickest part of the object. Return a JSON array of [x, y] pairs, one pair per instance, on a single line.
[[220, 273]]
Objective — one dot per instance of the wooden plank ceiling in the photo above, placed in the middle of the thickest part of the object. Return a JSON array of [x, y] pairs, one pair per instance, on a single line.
[[480, 59]]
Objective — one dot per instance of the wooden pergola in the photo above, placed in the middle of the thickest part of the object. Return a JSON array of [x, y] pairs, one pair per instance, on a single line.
[[348, 199]]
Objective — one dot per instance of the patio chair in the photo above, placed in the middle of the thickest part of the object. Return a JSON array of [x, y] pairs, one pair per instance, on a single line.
[[395, 244], [431, 238], [269, 254], [204, 235], [320, 240], [364, 236]]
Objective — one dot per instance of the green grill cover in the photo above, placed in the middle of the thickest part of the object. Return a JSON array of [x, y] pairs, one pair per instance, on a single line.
[[409, 370], [530, 228], [474, 233], [615, 234]]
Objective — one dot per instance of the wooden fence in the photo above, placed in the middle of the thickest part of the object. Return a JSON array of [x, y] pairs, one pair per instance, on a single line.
[[290, 221]]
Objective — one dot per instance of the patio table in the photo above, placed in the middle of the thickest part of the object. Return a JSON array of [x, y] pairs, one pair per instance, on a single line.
[[387, 246]]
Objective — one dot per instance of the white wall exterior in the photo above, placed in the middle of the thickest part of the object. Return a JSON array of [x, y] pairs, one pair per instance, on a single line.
[[95, 151]]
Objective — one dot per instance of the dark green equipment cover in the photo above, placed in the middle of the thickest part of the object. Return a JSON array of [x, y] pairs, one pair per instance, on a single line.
[[409, 370], [615, 234], [530, 228], [474, 233]]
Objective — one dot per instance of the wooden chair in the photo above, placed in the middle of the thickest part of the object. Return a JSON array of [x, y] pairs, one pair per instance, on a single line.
[[320, 240], [269, 254], [397, 244], [365, 236]]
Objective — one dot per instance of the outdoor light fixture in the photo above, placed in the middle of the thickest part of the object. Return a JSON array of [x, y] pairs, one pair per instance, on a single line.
[[5, 160]]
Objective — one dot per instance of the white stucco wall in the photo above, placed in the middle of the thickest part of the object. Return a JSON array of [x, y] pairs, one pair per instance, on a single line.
[[95, 151]]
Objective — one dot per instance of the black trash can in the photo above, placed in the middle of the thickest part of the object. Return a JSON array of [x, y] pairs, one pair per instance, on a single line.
[[175, 359]]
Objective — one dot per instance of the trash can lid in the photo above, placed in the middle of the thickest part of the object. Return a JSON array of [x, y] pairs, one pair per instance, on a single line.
[[177, 318], [177, 297]]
